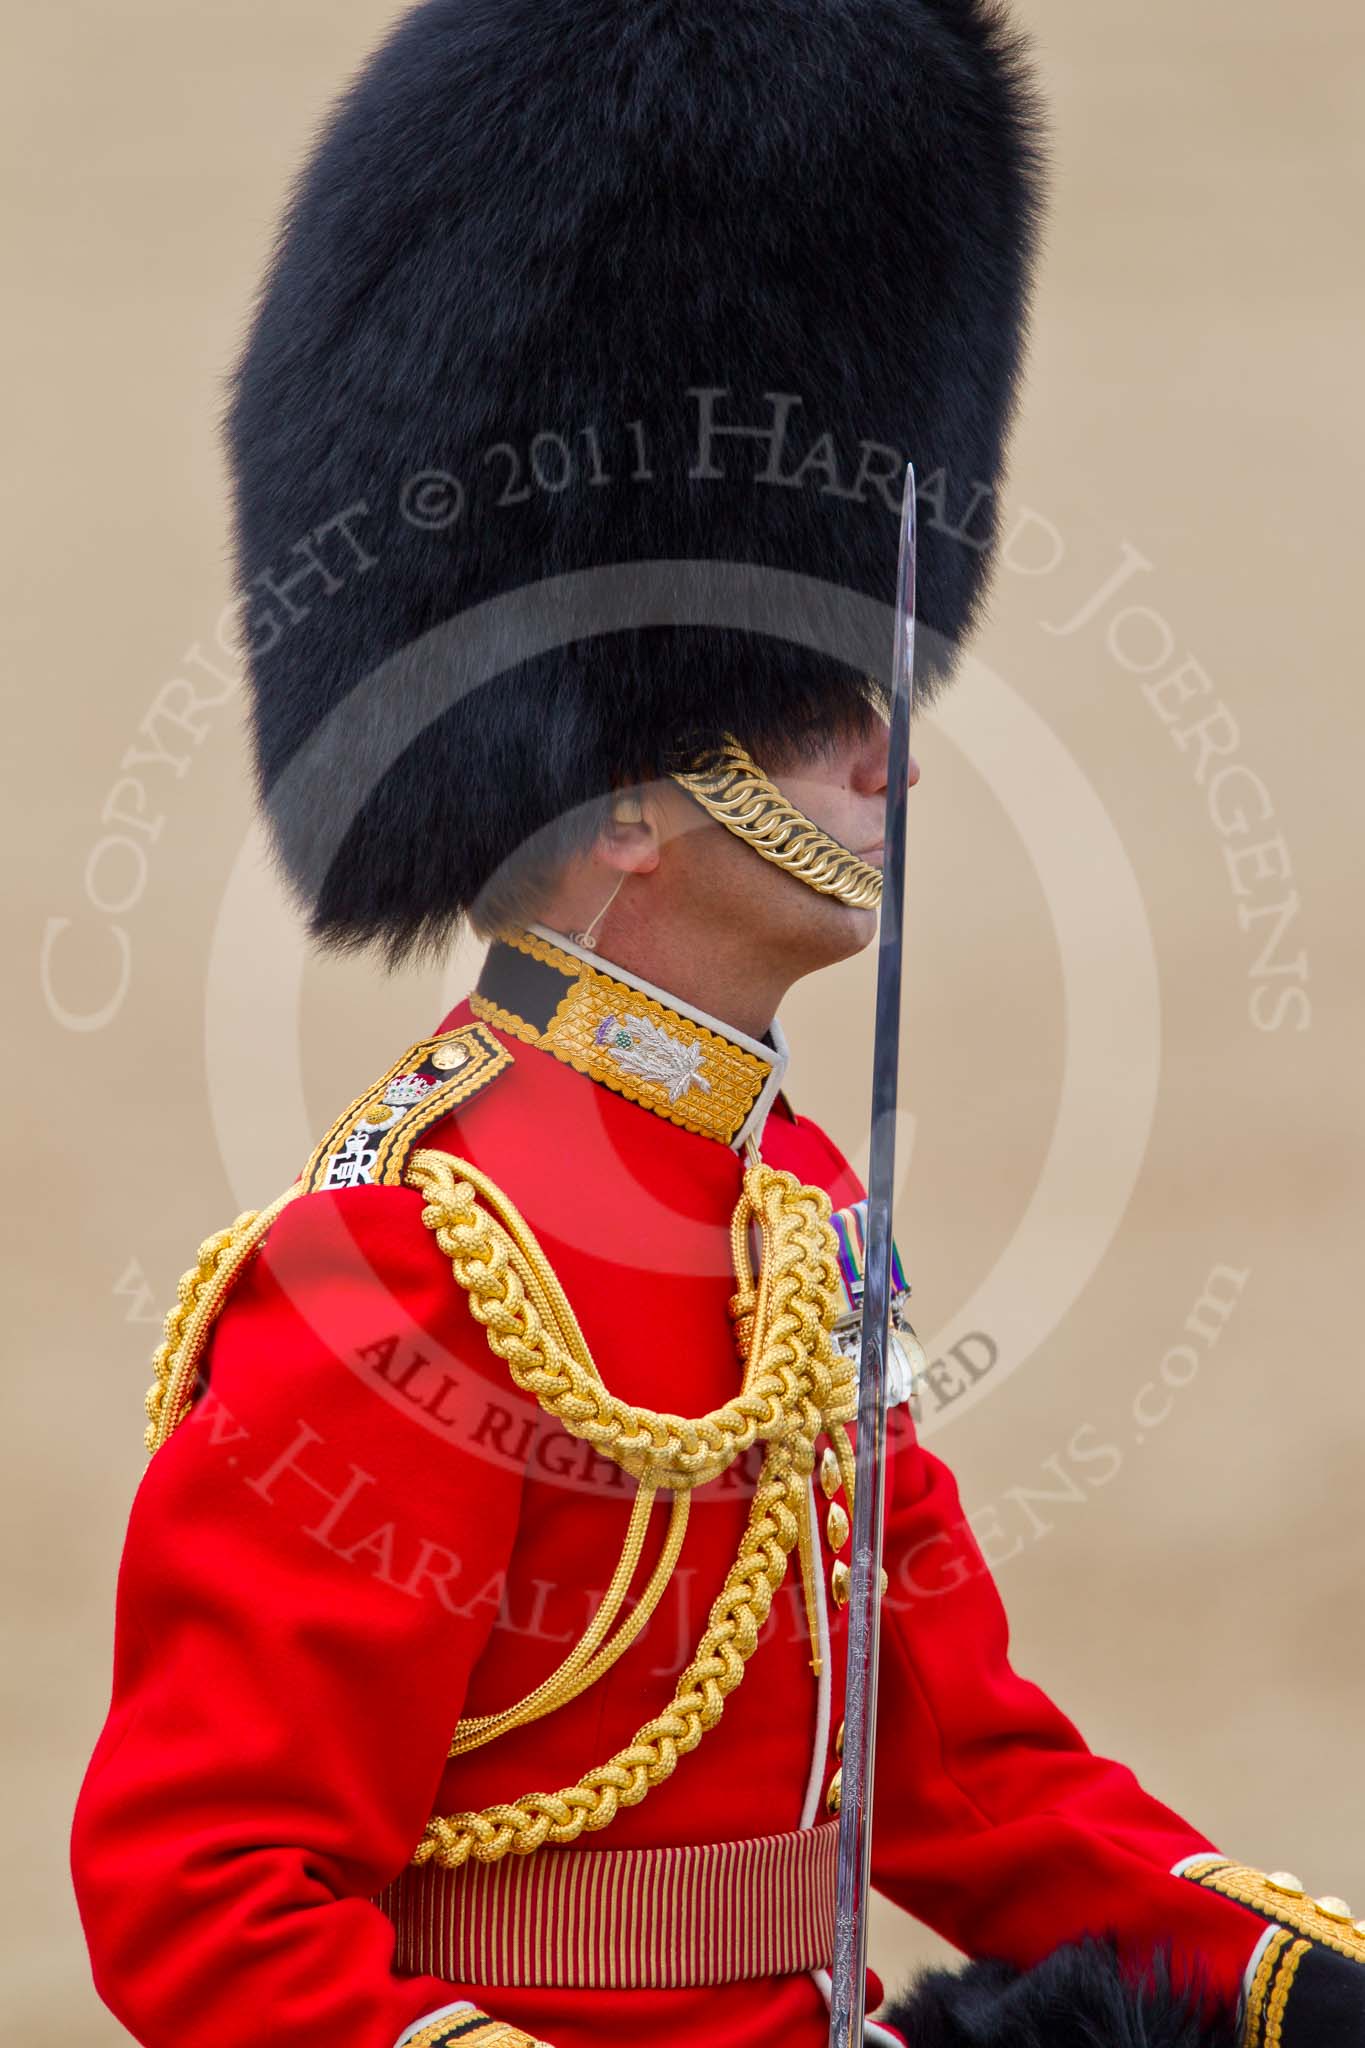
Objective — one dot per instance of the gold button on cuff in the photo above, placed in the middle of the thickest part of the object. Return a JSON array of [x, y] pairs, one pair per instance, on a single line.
[[1286, 1882], [836, 1526], [835, 1792], [1333, 1908], [829, 1473], [839, 1740]]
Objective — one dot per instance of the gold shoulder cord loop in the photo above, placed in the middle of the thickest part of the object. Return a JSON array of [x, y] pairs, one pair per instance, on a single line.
[[199, 1296], [795, 1384]]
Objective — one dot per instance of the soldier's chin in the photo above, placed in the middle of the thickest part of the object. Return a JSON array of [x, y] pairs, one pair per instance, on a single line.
[[862, 924], [841, 930]]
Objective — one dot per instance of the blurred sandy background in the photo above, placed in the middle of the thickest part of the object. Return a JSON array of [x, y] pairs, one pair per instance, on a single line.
[[1193, 426]]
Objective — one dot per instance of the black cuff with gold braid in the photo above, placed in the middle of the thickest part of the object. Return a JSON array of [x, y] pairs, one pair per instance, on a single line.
[[470, 2028], [1307, 1989]]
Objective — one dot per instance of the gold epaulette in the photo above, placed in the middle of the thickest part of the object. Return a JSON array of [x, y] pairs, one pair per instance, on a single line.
[[369, 1145]]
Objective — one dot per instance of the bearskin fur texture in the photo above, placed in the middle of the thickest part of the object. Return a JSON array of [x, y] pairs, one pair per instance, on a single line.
[[1077, 1998], [532, 238]]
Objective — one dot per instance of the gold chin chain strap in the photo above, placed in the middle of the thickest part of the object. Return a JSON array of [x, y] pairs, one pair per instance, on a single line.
[[795, 1386], [731, 786]]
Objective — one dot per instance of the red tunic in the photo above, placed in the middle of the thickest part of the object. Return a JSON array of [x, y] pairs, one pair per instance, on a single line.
[[362, 1531]]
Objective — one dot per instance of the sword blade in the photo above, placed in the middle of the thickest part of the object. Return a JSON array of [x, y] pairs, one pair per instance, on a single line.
[[848, 1974]]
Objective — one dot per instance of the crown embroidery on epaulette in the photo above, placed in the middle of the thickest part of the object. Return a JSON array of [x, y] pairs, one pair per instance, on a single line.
[[370, 1144]]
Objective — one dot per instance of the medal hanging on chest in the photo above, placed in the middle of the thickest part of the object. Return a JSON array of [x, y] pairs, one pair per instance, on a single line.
[[906, 1364]]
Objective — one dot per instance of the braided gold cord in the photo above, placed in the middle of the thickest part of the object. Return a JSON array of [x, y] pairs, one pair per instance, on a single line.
[[743, 1311], [199, 1296], [795, 1384], [535, 1818], [513, 1292], [731, 786]]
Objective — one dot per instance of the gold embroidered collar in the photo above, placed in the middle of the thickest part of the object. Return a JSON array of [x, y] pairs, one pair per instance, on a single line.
[[605, 1022]]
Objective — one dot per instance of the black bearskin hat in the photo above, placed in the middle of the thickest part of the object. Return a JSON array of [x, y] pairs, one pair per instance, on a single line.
[[570, 430], [1081, 1996]]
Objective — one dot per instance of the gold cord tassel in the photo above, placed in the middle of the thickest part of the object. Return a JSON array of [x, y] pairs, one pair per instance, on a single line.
[[806, 1553]]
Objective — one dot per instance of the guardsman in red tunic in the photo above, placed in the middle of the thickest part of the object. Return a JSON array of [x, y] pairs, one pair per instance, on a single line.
[[480, 1634]]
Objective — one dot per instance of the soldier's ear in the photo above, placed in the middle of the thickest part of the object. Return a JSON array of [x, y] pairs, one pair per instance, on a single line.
[[631, 837]]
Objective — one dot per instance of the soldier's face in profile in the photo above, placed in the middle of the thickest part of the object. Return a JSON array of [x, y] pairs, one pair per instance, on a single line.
[[840, 784], [705, 915]]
